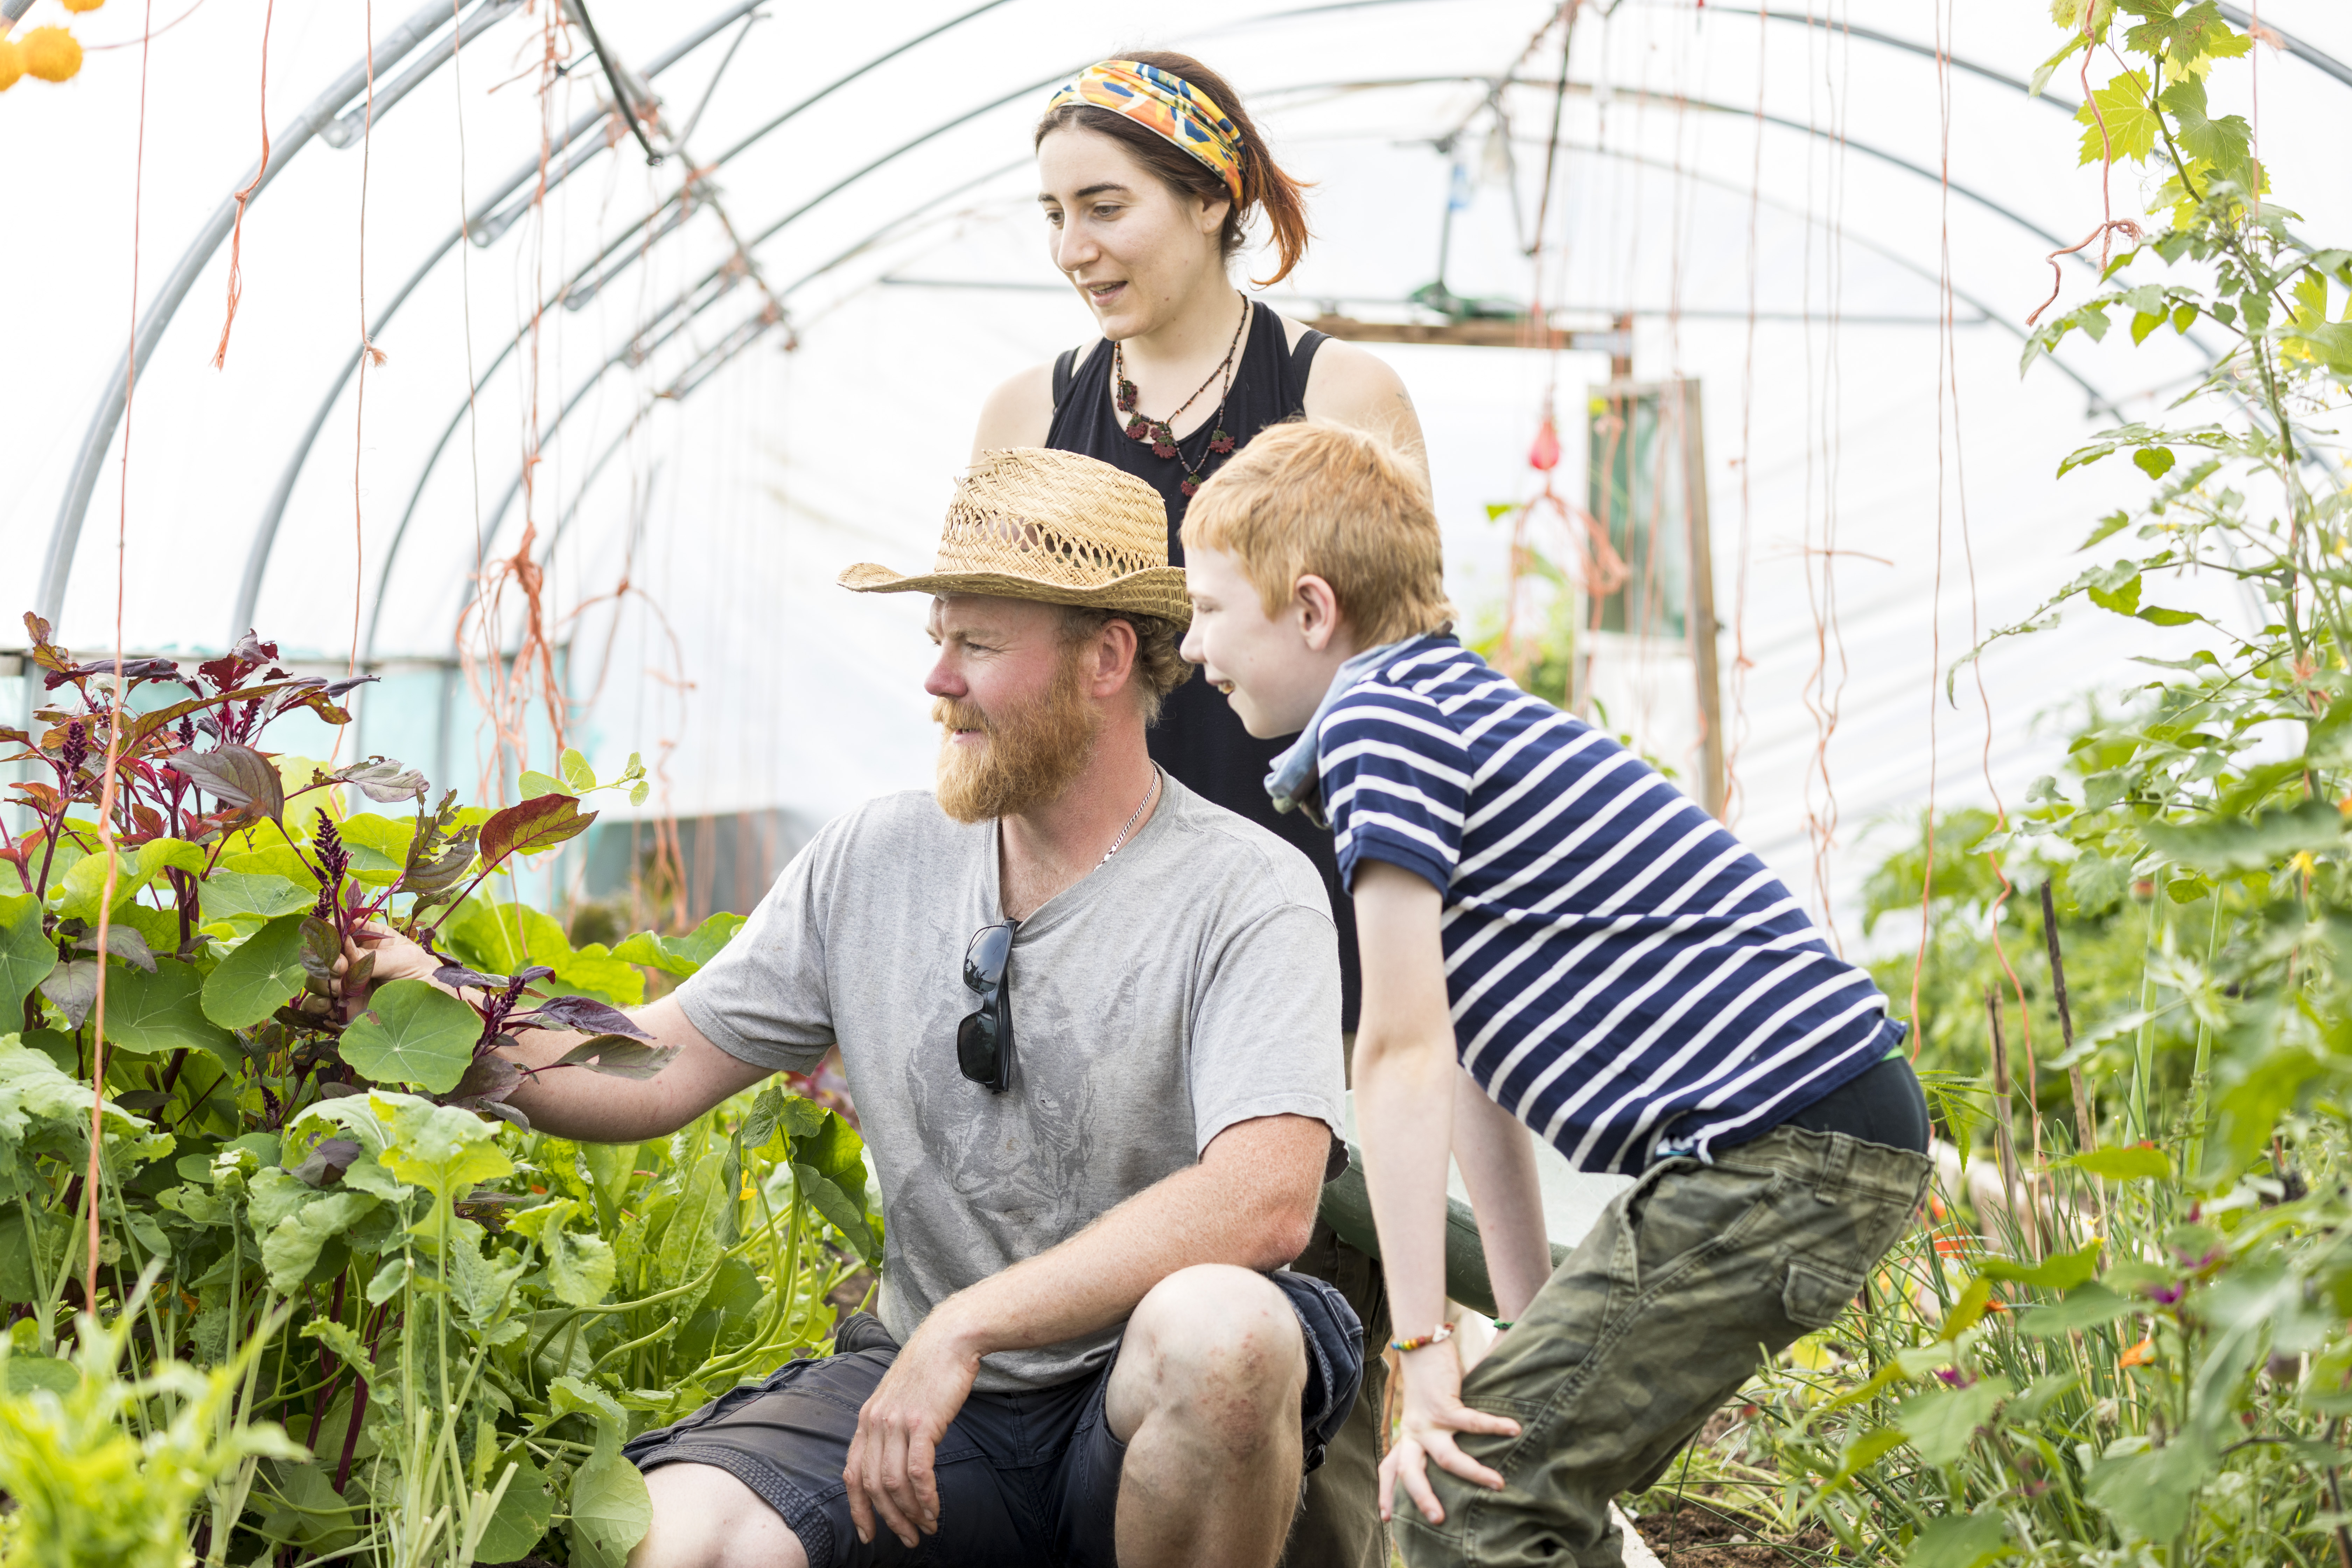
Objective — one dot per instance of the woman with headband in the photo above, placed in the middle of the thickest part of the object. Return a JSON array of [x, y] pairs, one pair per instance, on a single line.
[[1149, 173]]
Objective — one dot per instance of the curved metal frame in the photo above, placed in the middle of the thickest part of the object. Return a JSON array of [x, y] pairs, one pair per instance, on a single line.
[[485, 224], [65, 535], [497, 518]]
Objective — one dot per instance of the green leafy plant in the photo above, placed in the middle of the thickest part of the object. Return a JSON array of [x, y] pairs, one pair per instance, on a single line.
[[2132, 1348], [349, 1304]]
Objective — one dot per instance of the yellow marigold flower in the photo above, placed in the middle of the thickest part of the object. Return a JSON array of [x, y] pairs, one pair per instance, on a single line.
[[12, 63], [2140, 1354], [80, 6], [51, 52]]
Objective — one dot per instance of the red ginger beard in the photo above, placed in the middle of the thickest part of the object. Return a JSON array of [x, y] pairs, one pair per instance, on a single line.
[[1032, 753]]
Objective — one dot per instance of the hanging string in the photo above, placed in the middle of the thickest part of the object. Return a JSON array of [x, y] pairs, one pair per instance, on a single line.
[[106, 794], [1945, 347], [260, 172], [369, 354], [1734, 790], [2109, 225]]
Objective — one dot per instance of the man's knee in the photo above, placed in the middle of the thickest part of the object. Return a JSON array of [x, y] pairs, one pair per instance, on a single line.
[[705, 1518], [1216, 1343]]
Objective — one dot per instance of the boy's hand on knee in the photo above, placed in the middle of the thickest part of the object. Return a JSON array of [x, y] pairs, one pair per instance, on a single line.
[[1434, 1413]]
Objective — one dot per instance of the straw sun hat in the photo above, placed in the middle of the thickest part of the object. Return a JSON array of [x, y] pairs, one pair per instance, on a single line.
[[1030, 523]]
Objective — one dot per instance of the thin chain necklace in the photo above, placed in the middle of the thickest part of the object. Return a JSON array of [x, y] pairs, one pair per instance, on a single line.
[[1159, 435], [1149, 791]]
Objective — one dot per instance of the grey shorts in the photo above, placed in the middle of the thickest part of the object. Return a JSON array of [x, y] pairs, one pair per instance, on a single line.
[[1023, 1478]]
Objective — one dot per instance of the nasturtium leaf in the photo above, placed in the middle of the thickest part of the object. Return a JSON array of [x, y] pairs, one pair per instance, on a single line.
[[163, 1012], [538, 823], [229, 895], [2127, 1163], [531, 784], [378, 844], [437, 1147], [576, 770], [681, 956], [82, 889], [259, 977], [41, 1373], [26, 954], [413, 1034]]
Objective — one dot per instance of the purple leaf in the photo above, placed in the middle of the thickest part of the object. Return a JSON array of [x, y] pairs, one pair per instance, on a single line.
[[534, 972], [125, 943], [73, 986], [458, 976], [620, 1057], [382, 780], [490, 1079], [238, 774], [584, 1014], [321, 948], [328, 1162], [539, 823]]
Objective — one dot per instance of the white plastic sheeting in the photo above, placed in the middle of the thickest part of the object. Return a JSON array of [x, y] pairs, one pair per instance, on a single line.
[[1774, 197]]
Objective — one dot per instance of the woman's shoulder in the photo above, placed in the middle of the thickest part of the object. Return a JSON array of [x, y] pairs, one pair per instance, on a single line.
[[1020, 411], [1353, 385]]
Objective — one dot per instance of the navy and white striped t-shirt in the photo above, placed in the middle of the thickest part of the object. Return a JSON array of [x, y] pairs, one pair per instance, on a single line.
[[1626, 977]]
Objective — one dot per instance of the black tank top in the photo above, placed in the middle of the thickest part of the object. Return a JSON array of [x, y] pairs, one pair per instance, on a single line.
[[1198, 739]]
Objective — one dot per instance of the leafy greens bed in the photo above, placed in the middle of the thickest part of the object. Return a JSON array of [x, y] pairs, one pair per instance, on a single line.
[[344, 1302]]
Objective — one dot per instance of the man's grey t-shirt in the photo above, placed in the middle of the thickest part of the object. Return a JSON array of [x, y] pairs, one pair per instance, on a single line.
[[1190, 983]]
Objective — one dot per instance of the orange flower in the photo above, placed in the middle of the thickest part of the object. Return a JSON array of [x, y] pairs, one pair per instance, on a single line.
[[79, 6], [2140, 1354], [51, 53], [12, 63]]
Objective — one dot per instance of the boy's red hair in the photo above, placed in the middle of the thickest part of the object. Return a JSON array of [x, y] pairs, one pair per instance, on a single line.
[[1309, 498]]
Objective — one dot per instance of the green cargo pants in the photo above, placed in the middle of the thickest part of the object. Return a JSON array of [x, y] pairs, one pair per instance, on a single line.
[[1693, 1278], [1338, 1524]]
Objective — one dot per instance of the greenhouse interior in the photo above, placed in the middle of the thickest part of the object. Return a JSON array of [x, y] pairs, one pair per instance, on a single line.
[[1915, 431]]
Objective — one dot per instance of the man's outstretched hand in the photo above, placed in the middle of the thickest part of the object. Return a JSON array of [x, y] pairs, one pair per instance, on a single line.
[[899, 1428], [396, 958]]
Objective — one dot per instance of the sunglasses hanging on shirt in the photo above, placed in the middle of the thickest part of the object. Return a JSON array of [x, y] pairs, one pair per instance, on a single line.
[[984, 1039]]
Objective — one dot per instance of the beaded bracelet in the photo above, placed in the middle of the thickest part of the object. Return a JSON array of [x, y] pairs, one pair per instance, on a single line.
[[1502, 1323], [1438, 1336]]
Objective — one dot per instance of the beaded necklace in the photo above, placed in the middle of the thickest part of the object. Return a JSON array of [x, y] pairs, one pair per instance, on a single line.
[[1159, 434]]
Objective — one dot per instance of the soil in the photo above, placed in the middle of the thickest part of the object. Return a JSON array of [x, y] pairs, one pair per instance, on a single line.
[[1699, 1535]]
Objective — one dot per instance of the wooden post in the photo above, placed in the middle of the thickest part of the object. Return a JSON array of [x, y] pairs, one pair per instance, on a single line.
[[2004, 1138], [1702, 629], [2087, 1127]]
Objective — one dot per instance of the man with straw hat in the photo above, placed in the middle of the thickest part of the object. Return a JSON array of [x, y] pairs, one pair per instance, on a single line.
[[1088, 1351]]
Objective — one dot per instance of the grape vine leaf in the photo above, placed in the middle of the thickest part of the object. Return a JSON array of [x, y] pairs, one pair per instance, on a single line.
[[413, 1034], [2131, 119], [257, 978], [2226, 143]]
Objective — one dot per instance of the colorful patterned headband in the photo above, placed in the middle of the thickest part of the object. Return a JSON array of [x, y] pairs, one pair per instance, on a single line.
[[1166, 104]]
